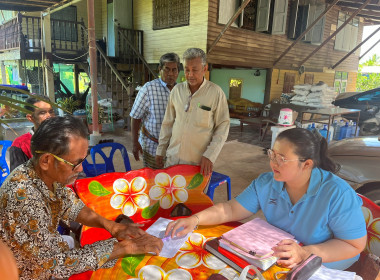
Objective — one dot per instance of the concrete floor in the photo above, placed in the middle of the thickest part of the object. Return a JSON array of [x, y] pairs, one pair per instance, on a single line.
[[242, 157]]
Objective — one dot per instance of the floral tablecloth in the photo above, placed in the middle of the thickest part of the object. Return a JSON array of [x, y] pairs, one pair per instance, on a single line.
[[144, 195]]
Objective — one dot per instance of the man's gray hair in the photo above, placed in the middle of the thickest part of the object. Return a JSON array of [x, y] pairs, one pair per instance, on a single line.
[[192, 53], [169, 57]]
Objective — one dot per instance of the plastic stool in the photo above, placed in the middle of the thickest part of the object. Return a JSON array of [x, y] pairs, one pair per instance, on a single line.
[[216, 180]]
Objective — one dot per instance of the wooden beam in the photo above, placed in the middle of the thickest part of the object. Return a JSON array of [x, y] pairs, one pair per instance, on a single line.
[[336, 32], [364, 12], [357, 5], [228, 24], [354, 49], [369, 49], [305, 32]]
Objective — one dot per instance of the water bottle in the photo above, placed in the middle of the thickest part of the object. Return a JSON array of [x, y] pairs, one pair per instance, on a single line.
[[323, 132], [355, 127], [343, 131], [349, 130], [337, 130]]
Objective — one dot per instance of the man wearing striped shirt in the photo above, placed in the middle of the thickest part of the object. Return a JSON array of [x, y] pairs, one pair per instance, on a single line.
[[149, 109]]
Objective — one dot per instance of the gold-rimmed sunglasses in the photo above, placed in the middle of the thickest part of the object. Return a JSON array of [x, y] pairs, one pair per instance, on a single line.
[[74, 166]]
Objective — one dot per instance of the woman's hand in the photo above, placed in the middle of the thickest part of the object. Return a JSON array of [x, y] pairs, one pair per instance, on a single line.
[[188, 225], [289, 253]]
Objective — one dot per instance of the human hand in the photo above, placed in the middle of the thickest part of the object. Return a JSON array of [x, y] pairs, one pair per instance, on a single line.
[[139, 245], [160, 161], [137, 150], [126, 231], [188, 225], [206, 166], [289, 253]]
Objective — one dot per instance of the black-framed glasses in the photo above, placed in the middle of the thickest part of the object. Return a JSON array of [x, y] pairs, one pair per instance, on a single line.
[[187, 106], [279, 159], [74, 166]]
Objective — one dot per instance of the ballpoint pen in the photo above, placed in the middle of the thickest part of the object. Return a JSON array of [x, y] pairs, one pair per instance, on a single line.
[[253, 253]]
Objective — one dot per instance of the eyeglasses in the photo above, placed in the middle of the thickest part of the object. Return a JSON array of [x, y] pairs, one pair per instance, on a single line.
[[279, 159], [74, 166], [187, 106]]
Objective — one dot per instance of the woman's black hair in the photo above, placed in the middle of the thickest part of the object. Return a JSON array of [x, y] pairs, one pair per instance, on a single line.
[[53, 135], [309, 145]]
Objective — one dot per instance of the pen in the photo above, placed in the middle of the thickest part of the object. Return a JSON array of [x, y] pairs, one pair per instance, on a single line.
[[253, 253]]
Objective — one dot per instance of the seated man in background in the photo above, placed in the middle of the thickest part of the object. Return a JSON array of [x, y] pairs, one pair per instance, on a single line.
[[20, 152], [33, 199]]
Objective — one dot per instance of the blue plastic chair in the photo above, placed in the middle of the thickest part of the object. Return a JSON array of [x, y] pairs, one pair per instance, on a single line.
[[216, 180], [107, 166], [5, 144]]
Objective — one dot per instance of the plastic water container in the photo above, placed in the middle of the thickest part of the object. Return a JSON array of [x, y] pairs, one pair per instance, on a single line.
[[323, 132], [337, 131], [355, 126], [312, 127], [349, 130], [343, 131]]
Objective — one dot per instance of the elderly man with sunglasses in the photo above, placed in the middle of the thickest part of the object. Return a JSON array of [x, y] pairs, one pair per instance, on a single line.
[[33, 199]]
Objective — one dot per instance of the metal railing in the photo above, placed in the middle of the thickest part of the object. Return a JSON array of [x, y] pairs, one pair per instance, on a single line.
[[24, 32], [10, 34], [131, 53]]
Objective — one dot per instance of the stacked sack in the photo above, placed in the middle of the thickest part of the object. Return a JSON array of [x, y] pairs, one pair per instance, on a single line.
[[319, 95], [301, 92]]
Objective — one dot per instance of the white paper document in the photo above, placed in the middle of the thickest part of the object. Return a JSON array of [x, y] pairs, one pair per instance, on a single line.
[[325, 273], [171, 245]]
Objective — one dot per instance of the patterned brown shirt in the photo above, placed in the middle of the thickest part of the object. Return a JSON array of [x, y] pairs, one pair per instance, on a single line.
[[29, 217]]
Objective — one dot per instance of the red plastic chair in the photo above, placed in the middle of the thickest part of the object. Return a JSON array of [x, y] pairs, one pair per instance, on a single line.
[[371, 212]]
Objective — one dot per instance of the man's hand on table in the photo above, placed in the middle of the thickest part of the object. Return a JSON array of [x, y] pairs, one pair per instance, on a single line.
[[140, 245], [206, 166], [126, 231]]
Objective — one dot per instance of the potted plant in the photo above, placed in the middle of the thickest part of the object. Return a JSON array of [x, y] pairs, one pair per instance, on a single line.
[[68, 105]]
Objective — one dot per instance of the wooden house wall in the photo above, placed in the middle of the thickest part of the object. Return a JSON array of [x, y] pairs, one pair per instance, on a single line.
[[177, 39], [278, 77], [241, 47]]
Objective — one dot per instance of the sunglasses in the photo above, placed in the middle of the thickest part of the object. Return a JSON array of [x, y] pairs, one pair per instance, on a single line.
[[74, 166]]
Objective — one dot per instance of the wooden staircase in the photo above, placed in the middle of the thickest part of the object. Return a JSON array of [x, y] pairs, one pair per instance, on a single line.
[[118, 80]]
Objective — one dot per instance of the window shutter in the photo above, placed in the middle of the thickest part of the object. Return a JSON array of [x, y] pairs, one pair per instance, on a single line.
[[293, 19], [318, 29], [289, 82], [339, 38], [227, 9], [309, 79], [354, 33], [279, 16], [310, 19], [262, 19]]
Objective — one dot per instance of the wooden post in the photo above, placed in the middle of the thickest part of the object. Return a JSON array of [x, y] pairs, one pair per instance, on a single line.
[[354, 49], [228, 24], [336, 32], [93, 66], [47, 59], [76, 80]]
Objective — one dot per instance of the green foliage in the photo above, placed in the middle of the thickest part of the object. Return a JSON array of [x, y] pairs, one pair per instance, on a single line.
[[370, 80], [69, 104], [129, 263], [97, 189], [151, 211]]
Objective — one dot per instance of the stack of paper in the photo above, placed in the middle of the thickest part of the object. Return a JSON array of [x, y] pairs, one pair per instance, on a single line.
[[171, 245], [253, 241]]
